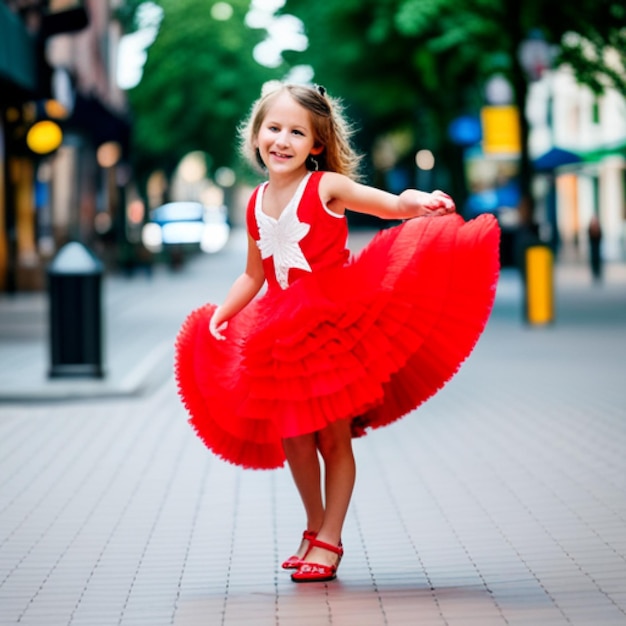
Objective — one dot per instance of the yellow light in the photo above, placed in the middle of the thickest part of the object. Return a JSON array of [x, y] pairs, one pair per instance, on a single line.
[[108, 154], [44, 137], [55, 109], [425, 159], [192, 168]]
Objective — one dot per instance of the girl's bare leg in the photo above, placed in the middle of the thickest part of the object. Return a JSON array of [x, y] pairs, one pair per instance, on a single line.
[[335, 445], [304, 463]]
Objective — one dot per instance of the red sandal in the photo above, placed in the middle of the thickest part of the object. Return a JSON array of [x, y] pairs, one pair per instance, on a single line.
[[294, 562], [316, 572]]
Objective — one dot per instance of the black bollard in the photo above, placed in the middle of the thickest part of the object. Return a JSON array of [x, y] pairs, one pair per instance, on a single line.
[[75, 313]]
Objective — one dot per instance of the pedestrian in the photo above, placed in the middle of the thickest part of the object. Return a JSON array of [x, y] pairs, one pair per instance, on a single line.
[[313, 345], [594, 233]]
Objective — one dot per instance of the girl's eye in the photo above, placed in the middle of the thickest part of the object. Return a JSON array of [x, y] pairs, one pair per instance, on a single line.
[[298, 132]]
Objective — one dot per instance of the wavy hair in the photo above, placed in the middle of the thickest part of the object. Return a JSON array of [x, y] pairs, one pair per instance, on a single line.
[[330, 127]]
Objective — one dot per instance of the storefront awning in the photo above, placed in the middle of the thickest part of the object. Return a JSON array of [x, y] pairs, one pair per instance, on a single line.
[[18, 64], [554, 158]]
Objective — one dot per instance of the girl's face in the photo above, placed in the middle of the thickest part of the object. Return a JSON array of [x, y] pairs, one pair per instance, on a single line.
[[286, 137]]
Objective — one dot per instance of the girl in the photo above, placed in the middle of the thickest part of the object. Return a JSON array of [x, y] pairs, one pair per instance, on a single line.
[[337, 343]]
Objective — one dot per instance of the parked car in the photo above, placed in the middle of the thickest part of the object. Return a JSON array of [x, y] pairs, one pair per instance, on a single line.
[[177, 227]]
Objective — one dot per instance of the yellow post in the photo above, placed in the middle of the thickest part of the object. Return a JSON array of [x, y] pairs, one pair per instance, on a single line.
[[539, 285]]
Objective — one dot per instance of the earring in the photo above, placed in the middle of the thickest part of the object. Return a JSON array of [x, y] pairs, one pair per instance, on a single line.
[[313, 164]]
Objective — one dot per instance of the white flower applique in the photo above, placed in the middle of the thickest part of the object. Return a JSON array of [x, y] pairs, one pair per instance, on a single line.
[[281, 237]]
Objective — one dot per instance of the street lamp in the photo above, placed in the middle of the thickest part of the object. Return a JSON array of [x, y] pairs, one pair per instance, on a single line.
[[535, 54], [535, 57]]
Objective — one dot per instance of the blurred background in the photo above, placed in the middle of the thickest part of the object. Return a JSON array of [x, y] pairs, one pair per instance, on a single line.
[[504, 503], [118, 118]]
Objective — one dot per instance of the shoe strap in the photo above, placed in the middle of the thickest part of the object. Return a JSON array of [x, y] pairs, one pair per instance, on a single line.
[[314, 542], [309, 534]]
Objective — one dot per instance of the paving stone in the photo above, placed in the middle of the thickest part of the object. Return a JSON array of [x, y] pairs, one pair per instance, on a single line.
[[501, 501]]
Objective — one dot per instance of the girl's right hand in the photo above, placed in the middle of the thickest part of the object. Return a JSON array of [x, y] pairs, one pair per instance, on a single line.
[[216, 325]]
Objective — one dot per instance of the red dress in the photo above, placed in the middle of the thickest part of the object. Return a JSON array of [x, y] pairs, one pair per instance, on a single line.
[[336, 336]]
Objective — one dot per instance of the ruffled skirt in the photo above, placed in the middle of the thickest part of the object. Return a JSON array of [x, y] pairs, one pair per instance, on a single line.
[[369, 341]]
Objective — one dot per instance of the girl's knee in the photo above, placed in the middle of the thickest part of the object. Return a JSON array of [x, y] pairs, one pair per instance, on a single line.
[[299, 445], [335, 440]]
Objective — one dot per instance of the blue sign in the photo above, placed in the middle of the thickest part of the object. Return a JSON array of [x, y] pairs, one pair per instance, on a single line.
[[465, 130]]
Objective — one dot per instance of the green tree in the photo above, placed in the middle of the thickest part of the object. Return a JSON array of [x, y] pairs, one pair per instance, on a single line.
[[198, 83], [580, 31], [420, 63]]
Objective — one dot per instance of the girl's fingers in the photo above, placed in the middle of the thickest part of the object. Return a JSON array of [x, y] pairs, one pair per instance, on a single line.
[[216, 330], [445, 200]]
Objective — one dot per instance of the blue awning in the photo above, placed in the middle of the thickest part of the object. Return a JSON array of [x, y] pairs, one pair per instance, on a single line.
[[553, 158]]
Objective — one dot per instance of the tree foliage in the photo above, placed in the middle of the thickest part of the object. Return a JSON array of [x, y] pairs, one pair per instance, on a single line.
[[420, 63], [198, 83], [401, 66], [597, 27]]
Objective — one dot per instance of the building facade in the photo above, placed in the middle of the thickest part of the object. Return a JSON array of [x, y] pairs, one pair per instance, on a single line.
[[69, 190], [567, 116]]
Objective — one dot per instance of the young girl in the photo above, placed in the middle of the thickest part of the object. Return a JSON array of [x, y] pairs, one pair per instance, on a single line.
[[337, 343]]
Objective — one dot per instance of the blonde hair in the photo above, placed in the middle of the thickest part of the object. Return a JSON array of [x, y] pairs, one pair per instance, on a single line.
[[331, 130]]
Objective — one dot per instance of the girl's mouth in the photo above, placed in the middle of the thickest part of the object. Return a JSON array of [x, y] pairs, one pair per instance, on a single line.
[[280, 156]]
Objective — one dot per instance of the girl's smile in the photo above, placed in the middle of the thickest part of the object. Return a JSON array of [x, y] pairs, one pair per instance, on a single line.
[[280, 156]]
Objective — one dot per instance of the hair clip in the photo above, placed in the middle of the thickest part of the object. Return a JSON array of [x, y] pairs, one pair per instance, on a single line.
[[321, 90]]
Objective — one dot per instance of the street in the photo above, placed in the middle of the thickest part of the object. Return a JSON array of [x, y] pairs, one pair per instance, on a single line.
[[501, 501]]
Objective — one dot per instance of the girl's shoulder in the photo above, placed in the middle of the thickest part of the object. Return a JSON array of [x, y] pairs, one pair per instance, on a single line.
[[334, 179], [334, 185]]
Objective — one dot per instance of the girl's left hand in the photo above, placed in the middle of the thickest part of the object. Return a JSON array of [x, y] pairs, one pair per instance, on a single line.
[[443, 203], [422, 203]]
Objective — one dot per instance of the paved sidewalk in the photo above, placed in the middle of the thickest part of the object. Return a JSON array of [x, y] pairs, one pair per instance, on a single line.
[[500, 501], [141, 315]]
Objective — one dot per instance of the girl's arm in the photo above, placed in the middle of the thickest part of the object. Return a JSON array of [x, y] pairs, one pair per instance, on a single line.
[[241, 292], [339, 192]]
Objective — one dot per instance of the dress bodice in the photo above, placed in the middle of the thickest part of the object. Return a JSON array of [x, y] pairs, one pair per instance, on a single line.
[[306, 237]]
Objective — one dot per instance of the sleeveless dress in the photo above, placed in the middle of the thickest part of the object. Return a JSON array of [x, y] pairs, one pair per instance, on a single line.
[[366, 337]]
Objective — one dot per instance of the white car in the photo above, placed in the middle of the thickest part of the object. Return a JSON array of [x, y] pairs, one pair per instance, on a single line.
[[186, 225]]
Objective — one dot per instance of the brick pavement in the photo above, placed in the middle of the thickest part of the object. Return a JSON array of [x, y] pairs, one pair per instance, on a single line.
[[501, 501]]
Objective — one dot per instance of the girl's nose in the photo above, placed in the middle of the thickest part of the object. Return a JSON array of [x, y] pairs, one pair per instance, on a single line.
[[282, 139]]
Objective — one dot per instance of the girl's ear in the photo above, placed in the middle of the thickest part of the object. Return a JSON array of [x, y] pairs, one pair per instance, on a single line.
[[315, 150]]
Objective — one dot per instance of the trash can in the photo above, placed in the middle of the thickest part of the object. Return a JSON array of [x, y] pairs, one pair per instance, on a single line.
[[539, 285], [75, 313]]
